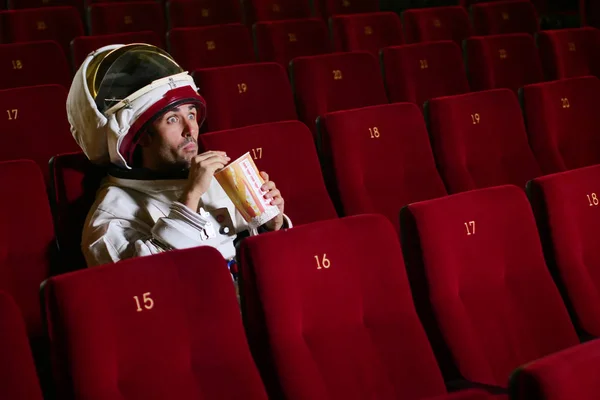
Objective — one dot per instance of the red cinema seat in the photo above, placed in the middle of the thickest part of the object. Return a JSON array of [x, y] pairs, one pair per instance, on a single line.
[[335, 82], [82, 46], [282, 41], [481, 283], [479, 140], [499, 17], [566, 208], [378, 159], [163, 327], [26, 241], [34, 124], [275, 10], [370, 32], [330, 8], [74, 183], [18, 379], [243, 95], [436, 23], [121, 17], [418, 72], [567, 53], [286, 151], [344, 279], [570, 374], [562, 123], [33, 63], [190, 13], [211, 46], [59, 24], [502, 61]]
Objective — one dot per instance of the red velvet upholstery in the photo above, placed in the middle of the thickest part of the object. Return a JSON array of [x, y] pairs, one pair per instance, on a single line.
[[499, 17], [286, 151], [246, 94], [335, 82], [182, 339], [370, 32], [281, 41], [563, 123], [82, 46], [382, 171], [478, 260], [34, 125], [338, 313], [74, 182], [211, 46], [190, 13], [569, 374], [566, 208], [479, 140], [422, 71], [18, 380], [34, 63], [567, 53], [134, 16], [60, 24], [502, 61], [336, 7], [274, 10], [436, 23], [26, 239]]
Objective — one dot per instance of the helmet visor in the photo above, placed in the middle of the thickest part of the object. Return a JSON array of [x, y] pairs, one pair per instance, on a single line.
[[127, 71]]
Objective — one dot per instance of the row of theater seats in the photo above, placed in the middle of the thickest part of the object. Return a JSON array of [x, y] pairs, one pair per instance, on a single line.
[[374, 160], [469, 296]]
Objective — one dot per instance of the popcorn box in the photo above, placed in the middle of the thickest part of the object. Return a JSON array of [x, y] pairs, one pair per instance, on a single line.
[[242, 181]]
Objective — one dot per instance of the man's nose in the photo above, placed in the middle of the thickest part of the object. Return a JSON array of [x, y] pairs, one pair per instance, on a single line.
[[189, 128]]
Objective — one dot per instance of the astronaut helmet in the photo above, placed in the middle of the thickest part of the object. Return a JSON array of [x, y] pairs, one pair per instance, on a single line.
[[118, 92]]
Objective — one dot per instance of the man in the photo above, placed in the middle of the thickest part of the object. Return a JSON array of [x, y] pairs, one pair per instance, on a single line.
[[135, 108]]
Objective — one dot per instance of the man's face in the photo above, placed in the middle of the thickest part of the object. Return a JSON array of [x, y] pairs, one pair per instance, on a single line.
[[174, 139]]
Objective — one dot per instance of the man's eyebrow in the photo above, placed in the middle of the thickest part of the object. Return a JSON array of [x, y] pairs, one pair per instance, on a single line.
[[192, 107]]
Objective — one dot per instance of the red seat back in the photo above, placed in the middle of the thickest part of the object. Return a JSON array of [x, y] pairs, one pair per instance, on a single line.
[[243, 95], [286, 151], [133, 16], [191, 13], [436, 23], [499, 17], [370, 32]]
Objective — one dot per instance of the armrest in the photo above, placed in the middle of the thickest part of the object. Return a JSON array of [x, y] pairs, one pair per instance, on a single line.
[[464, 384], [569, 374]]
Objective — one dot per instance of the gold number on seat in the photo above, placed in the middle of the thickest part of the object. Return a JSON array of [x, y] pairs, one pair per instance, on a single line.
[[470, 228], [17, 64], [565, 102], [368, 30], [323, 263], [242, 88], [337, 74], [12, 114], [374, 132], [503, 54], [424, 64], [276, 8], [346, 3], [41, 26], [205, 12], [128, 20], [572, 46], [210, 45], [292, 37], [437, 23], [505, 16], [593, 199], [475, 118], [257, 153], [148, 302]]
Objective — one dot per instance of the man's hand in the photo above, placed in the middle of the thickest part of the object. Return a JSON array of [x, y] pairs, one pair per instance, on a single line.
[[202, 170], [274, 195]]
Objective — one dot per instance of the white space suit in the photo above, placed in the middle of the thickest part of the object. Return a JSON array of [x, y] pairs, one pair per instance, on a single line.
[[132, 216]]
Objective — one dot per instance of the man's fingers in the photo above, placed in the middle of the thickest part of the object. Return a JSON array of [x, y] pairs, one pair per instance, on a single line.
[[272, 194], [208, 154], [268, 185], [265, 176], [277, 201], [211, 159]]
